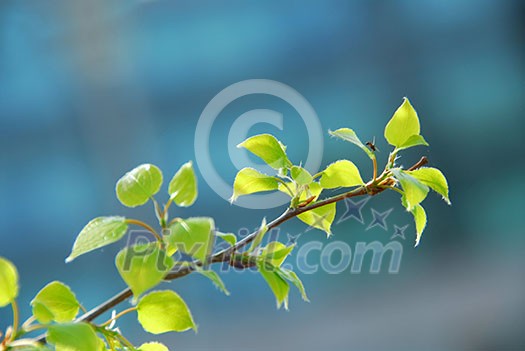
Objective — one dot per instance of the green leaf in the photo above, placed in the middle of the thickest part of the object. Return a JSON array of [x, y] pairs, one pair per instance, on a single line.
[[73, 337], [269, 149], [55, 302], [294, 279], [342, 173], [260, 235], [153, 346], [183, 186], [279, 286], [320, 218], [349, 135], [164, 311], [216, 280], [8, 282], [249, 181], [137, 186], [301, 175], [412, 141], [403, 124], [143, 266], [193, 236], [97, 233], [434, 179], [230, 238], [276, 252], [420, 217], [414, 190]]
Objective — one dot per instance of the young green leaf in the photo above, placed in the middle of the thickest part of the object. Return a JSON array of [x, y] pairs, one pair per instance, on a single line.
[[412, 141], [414, 190], [153, 346], [349, 135], [8, 282], [230, 238], [269, 149], [97, 233], [215, 279], [193, 236], [301, 175], [420, 217], [137, 186], [143, 266], [164, 311], [403, 124], [342, 173], [294, 279], [259, 237], [320, 218], [279, 286], [74, 337], [55, 303], [276, 252], [249, 181], [183, 186], [434, 179]]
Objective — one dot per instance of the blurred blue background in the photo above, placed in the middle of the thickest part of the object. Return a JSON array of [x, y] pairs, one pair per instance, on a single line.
[[89, 90]]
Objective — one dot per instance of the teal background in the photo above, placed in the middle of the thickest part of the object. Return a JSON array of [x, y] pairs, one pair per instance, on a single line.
[[89, 90]]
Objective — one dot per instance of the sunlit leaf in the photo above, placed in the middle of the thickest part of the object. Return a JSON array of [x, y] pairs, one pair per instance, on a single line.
[[320, 218], [276, 252], [279, 286], [434, 179], [8, 282], [164, 311], [414, 190], [349, 135], [301, 175], [269, 149], [55, 302], [342, 173], [97, 233], [420, 217], [153, 346], [143, 266], [73, 337], [249, 181], [412, 141], [193, 236], [215, 279], [403, 124], [230, 238], [183, 186], [137, 186], [260, 235], [294, 279]]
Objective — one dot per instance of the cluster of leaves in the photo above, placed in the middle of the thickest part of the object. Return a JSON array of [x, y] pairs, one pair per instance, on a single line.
[[191, 242]]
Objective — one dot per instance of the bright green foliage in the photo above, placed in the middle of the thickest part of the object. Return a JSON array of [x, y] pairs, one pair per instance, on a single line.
[[97, 233], [320, 218], [193, 236], [434, 179], [164, 311], [300, 175], [279, 286], [269, 149], [403, 125], [230, 238], [142, 267], [183, 186], [249, 181], [8, 282], [74, 337], [349, 135], [260, 235], [341, 174], [276, 252], [215, 279], [55, 303], [294, 279], [420, 217], [414, 140], [414, 190], [153, 346], [137, 186]]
